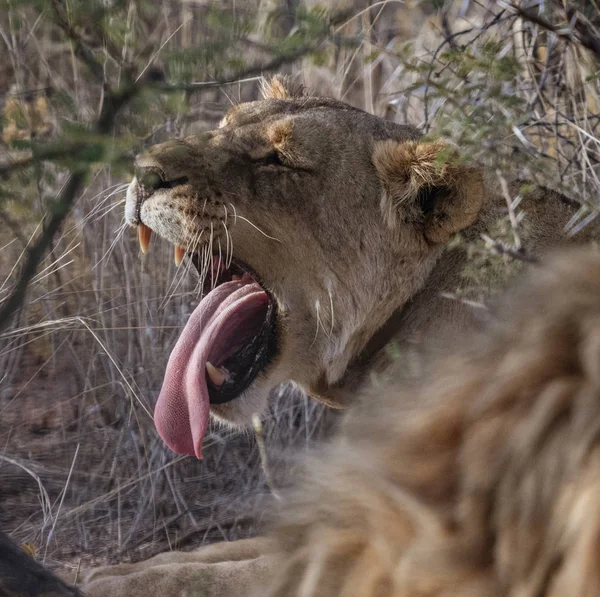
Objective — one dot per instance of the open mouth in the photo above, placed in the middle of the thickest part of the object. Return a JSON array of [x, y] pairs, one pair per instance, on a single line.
[[246, 340], [228, 340]]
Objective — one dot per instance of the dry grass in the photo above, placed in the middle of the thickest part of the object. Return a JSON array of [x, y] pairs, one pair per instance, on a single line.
[[82, 471], [80, 373]]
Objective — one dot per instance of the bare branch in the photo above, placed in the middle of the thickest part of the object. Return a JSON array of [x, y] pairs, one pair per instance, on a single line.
[[82, 51], [579, 31], [36, 253]]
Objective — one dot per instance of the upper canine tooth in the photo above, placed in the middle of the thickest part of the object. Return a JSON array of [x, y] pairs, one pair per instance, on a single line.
[[144, 234], [179, 253], [216, 374]]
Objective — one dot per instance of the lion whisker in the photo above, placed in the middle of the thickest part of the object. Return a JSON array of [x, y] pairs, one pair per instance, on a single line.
[[234, 213], [110, 249], [212, 269], [22, 254], [229, 247], [180, 274], [257, 228], [94, 214], [200, 283], [205, 263], [201, 262], [330, 306], [319, 324], [220, 261]]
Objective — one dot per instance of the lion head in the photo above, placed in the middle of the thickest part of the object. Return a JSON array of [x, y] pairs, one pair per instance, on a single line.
[[311, 223]]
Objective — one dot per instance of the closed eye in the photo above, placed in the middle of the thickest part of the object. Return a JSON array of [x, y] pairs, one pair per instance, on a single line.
[[275, 158], [271, 159], [154, 180]]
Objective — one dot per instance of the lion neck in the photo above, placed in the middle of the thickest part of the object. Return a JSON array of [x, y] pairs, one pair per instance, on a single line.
[[424, 323]]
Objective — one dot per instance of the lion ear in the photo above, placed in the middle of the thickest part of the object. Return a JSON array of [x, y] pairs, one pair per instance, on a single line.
[[281, 87], [425, 184]]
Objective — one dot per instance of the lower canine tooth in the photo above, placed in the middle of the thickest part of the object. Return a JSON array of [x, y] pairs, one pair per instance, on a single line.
[[179, 253], [144, 234], [215, 374]]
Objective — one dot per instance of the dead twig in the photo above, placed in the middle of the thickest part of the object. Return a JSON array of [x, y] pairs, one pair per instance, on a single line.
[[579, 29], [258, 430]]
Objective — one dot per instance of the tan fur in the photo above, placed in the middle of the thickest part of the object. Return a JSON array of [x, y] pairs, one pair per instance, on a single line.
[[219, 570], [348, 232], [482, 482], [281, 87], [407, 169]]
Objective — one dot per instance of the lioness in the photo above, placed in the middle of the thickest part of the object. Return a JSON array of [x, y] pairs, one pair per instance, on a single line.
[[481, 481], [320, 232]]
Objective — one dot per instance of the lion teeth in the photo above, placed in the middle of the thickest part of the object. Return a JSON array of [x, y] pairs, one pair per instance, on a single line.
[[236, 277], [144, 234], [216, 374], [179, 253]]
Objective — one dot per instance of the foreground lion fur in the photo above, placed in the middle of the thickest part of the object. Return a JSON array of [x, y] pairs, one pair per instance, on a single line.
[[480, 481], [485, 481], [226, 569]]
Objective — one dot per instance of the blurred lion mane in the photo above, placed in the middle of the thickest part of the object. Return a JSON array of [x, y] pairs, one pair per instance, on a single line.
[[483, 480]]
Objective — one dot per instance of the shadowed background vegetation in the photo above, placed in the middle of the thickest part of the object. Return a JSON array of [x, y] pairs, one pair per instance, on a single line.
[[87, 322]]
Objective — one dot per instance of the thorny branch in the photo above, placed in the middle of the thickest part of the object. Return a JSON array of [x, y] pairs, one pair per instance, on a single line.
[[272, 65], [42, 153]]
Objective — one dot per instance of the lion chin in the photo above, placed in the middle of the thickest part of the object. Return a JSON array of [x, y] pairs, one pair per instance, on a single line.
[[319, 233]]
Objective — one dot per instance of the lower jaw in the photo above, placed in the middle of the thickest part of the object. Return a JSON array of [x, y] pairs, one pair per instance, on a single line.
[[233, 414], [226, 413], [238, 412]]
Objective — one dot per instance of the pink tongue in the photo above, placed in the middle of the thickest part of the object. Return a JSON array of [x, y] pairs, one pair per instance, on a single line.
[[225, 320]]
